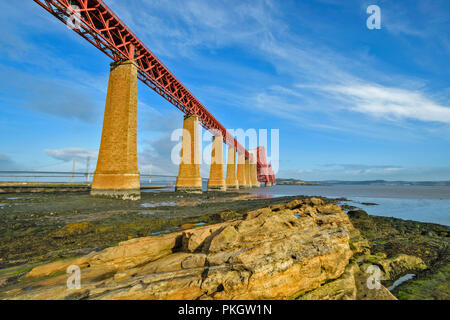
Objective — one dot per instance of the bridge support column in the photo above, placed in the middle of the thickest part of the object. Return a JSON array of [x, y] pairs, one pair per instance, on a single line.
[[216, 180], [231, 181], [241, 176], [254, 170], [189, 179], [247, 173], [117, 173]]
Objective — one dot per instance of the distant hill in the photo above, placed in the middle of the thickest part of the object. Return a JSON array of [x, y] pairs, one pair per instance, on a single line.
[[364, 182], [384, 182], [296, 182]]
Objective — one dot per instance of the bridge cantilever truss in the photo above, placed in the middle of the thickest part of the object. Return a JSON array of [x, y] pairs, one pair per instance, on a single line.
[[99, 25]]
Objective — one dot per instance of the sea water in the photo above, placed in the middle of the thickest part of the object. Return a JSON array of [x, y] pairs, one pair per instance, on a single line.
[[409, 202]]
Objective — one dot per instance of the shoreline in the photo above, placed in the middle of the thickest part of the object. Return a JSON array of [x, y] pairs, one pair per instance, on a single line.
[[52, 227]]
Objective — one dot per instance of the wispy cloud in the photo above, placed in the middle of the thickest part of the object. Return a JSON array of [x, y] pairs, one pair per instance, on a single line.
[[63, 98], [358, 172], [350, 166], [259, 28], [389, 103], [69, 154], [251, 57], [179, 28]]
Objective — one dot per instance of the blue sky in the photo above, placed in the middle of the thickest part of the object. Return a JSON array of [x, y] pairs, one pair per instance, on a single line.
[[350, 103]]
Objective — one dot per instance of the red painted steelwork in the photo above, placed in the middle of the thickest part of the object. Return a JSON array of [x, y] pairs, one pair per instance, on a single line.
[[103, 29], [263, 170], [271, 175]]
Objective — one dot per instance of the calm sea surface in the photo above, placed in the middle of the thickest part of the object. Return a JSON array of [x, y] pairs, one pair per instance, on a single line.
[[419, 203]]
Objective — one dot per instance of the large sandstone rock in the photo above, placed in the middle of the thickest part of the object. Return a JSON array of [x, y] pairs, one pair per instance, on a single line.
[[273, 253], [352, 285]]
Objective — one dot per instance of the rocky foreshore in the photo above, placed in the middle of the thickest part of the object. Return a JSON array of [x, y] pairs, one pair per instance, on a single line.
[[308, 248], [392, 238]]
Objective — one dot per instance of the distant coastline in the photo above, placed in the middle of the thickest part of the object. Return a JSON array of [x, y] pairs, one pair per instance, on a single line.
[[296, 182], [363, 182]]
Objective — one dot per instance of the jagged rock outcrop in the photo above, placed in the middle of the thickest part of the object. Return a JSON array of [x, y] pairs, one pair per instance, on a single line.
[[394, 267], [352, 285], [279, 252]]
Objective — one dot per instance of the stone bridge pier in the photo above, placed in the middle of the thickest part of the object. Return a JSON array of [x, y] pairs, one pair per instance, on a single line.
[[189, 179], [216, 180], [254, 170], [117, 173], [231, 180], [241, 172]]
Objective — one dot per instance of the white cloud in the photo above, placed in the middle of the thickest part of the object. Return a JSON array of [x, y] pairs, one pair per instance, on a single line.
[[357, 172], [69, 154], [183, 29], [259, 28], [389, 103], [177, 28]]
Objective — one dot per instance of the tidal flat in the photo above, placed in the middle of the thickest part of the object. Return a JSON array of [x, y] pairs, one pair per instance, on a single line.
[[40, 228]]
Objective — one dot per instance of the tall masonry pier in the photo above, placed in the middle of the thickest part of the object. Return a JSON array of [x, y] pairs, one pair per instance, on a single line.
[[189, 179], [231, 180], [117, 173], [254, 169], [241, 175], [216, 180]]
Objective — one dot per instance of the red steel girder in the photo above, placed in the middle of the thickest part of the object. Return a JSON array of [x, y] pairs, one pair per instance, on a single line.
[[102, 28], [271, 175], [262, 168]]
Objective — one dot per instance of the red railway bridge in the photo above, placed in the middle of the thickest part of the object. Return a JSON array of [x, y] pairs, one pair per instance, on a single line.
[[116, 173]]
